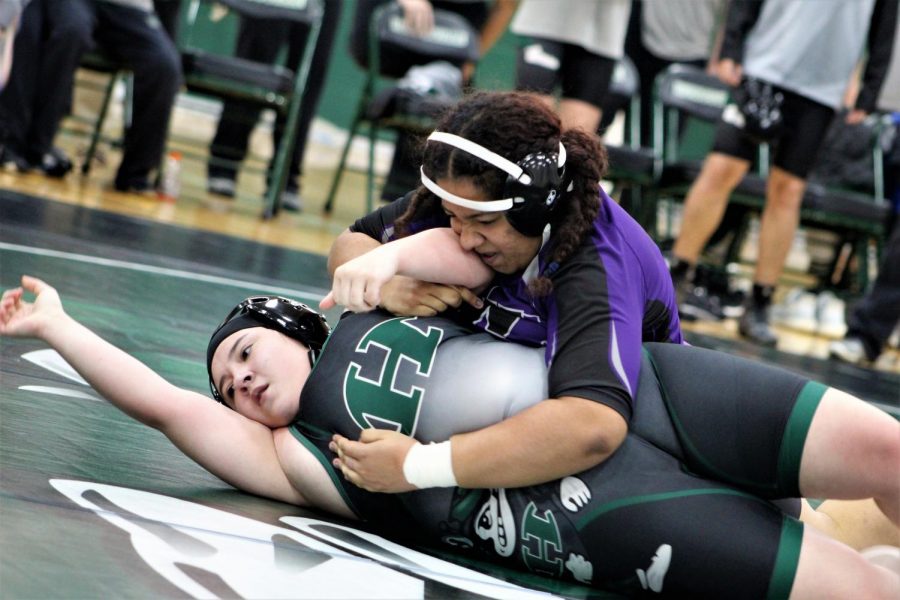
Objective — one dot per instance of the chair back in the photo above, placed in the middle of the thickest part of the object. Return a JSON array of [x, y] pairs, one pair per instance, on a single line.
[[303, 11], [684, 91], [624, 94], [393, 48]]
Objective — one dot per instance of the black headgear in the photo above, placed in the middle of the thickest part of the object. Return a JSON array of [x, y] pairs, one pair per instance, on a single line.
[[531, 192], [294, 319]]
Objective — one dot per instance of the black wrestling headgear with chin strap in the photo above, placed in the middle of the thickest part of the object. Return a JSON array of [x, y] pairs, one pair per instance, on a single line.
[[530, 194], [293, 319]]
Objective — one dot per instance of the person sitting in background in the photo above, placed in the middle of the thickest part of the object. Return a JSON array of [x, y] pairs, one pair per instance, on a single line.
[[261, 40], [488, 17], [54, 36]]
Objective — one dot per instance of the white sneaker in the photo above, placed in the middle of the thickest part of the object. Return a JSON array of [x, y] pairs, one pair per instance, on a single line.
[[849, 350], [797, 311], [830, 312], [221, 186]]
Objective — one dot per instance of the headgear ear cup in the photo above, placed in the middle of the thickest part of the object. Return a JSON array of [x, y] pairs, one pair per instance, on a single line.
[[540, 197], [531, 191]]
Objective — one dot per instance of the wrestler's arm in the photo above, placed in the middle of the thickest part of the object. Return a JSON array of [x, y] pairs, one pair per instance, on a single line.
[[552, 439], [433, 255], [239, 451]]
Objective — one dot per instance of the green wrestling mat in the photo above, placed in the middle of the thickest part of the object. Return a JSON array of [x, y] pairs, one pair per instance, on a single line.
[[94, 505]]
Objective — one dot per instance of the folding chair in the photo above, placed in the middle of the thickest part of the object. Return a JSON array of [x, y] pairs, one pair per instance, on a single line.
[[97, 60], [269, 85], [452, 39], [631, 167]]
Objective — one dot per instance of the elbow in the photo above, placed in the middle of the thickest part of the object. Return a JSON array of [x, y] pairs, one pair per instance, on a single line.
[[606, 432]]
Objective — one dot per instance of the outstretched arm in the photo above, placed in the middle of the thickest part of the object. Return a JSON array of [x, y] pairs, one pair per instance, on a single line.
[[434, 255], [232, 447]]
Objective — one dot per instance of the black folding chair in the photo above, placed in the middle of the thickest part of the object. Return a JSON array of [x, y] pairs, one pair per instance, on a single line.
[[452, 39]]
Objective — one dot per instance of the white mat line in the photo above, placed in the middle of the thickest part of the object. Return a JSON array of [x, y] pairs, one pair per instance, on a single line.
[[122, 264]]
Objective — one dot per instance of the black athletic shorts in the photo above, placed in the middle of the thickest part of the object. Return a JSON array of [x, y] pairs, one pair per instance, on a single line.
[[543, 65], [806, 122]]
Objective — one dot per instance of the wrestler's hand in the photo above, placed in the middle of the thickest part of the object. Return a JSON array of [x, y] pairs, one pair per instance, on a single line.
[[375, 462], [410, 297], [357, 283], [19, 318], [406, 296]]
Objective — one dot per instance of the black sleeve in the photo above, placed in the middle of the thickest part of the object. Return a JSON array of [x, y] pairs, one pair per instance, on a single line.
[[379, 224], [741, 17], [882, 34], [581, 365]]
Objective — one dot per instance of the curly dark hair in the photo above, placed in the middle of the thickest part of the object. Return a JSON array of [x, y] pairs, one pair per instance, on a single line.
[[514, 125]]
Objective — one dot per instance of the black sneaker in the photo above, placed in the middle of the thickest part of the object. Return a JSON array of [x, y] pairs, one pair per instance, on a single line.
[[754, 325], [55, 163], [138, 185], [698, 304], [10, 159], [717, 283]]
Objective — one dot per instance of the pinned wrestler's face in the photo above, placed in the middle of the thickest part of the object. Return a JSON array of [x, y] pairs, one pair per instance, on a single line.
[[260, 373], [488, 234]]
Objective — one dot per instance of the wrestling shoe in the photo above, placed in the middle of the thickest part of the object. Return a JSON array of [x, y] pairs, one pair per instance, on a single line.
[[754, 325]]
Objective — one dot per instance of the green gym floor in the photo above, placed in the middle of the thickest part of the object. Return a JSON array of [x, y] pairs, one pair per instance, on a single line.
[[94, 505]]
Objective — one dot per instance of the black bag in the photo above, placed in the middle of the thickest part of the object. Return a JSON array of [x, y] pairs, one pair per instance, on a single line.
[[760, 104]]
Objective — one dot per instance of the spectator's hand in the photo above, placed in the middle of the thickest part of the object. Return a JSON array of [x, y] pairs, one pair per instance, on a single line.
[[729, 72], [375, 462], [25, 319], [418, 15], [856, 116]]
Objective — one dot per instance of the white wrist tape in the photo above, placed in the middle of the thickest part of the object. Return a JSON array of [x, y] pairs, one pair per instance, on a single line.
[[429, 465]]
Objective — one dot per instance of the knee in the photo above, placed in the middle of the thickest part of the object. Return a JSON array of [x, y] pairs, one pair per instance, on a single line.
[[162, 69], [784, 190], [74, 36], [721, 170]]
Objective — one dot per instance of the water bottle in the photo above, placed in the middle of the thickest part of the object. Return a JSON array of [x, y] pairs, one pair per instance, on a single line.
[[170, 183]]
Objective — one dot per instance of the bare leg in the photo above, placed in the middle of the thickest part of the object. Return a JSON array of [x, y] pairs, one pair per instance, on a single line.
[[830, 569], [705, 203], [778, 224], [578, 114], [858, 523], [852, 451]]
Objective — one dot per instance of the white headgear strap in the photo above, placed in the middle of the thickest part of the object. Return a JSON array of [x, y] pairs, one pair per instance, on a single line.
[[486, 155]]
